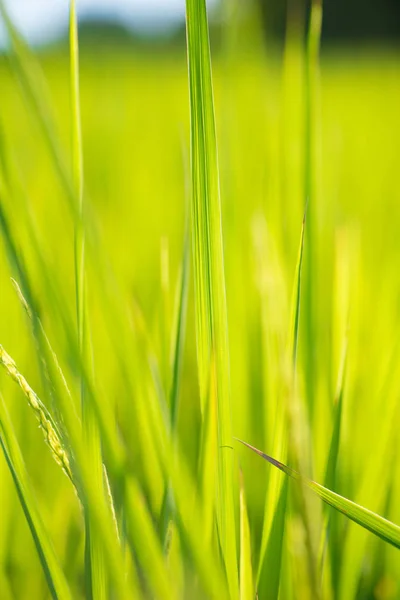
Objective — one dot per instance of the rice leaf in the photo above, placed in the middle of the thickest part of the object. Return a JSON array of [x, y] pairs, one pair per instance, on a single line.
[[310, 188], [246, 575], [148, 548], [208, 260], [46, 422], [268, 577], [95, 571], [386, 530], [55, 578]]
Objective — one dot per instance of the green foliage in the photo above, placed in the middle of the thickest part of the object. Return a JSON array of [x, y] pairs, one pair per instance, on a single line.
[[137, 386]]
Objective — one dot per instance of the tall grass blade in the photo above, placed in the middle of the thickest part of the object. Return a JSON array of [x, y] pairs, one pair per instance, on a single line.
[[211, 316], [144, 539], [268, 577], [178, 343], [95, 569], [310, 190], [246, 575]]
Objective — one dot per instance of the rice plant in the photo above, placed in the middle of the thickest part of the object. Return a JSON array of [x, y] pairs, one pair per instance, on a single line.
[[208, 344]]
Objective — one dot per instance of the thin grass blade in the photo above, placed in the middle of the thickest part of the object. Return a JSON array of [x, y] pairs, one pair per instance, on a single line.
[[246, 574], [55, 578], [386, 530]]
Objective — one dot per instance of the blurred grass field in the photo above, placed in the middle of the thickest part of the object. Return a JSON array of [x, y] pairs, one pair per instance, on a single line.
[[135, 127]]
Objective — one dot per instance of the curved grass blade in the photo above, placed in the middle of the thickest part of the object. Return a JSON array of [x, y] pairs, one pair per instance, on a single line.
[[48, 426], [389, 532], [54, 576]]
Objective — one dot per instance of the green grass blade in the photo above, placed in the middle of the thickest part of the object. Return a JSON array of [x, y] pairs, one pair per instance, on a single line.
[[384, 529], [47, 424], [148, 548], [32, 82], [207, 469], [180, 331], [310, 190], [295, 306], [95, 571], [330, 474], [176, 368], [55, 578], [246, 575], [211, 316], [268, 577]]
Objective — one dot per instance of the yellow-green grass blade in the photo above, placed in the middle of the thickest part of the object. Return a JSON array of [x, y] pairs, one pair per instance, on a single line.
[[46, 422], [80, 463], [299, 444], [386, 530], [179, 332], [270, 570], [210, 296], [310, 191], [207, 467], [295, 305], [176, 470], [178, 342], [110, 440], [268, 576], [144, 540], [81, 469], [55, 578], [155, 429], [95, 571], [377, 477], [246, 573], [329, 533], [153, 423], [45, 355], [33, 85]]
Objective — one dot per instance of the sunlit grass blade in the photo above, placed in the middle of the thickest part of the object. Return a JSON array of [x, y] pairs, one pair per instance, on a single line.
[[144, 539], [286, 419], [377, 477], [46, 422], [202, 554], [178, 342], [299, 435], [33, 85], [95, 571], [310, 190], [102, 513], [246, 574], [45, 354], [330, 475], [386, 530], [295, 306], [210, 296], [329, 528], [179, 332], [207, 467], [55, 578]]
